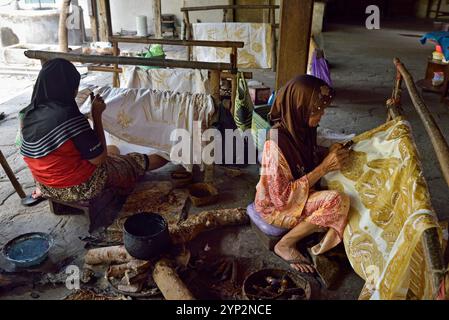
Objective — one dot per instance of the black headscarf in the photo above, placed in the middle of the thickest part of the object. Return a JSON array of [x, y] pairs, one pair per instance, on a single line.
[[53, 116]]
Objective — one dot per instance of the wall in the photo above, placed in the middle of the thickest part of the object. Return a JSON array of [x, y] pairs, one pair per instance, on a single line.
[[422, 7]]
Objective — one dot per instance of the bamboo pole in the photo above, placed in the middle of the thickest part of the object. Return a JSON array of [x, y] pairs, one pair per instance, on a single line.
[[164, 63], [431, 243], [436, 137], [11, 176]]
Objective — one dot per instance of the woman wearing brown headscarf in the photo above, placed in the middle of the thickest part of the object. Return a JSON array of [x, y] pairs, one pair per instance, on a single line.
[[291, 166]]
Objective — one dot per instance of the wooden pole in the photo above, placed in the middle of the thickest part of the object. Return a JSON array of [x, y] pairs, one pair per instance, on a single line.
[[188, 31], [436, 137], [294, 39], [273, 40], [92, 9], [115, 78], [134, 61], [104, 17], [177, 42], [62, 31], [11, 176], [157, 19], [430, 239]]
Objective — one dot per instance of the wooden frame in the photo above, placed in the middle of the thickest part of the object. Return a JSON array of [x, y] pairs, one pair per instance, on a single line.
[[431, 244], [272, 20], [230, 74]]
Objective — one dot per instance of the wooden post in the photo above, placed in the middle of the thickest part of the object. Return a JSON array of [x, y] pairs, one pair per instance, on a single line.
[[294, 39], [188, 33], [157, 19], [104, 23], [62, 32], [115, 78], [273, 39], [215, 92], [92, 9], [11, 176]]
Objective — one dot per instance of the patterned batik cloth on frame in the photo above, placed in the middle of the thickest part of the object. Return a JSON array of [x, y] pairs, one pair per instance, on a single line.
[[390, 210], [257, 38], [176, 80], [145, 117]]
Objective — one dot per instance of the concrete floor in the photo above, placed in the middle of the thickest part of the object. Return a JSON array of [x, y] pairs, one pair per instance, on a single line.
[[363, 73]]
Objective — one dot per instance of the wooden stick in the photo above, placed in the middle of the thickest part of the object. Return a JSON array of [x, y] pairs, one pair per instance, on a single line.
[[169, 283], [92, 9], [11, 176], [164, 63]]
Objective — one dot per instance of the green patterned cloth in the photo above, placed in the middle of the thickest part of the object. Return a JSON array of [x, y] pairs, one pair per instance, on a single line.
[[244, 107]]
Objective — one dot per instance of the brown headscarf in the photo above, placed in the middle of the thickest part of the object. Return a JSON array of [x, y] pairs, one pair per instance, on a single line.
[[290, 114]]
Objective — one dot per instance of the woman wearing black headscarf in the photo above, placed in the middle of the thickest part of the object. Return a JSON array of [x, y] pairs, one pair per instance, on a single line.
[[291, 166], [68, 159]]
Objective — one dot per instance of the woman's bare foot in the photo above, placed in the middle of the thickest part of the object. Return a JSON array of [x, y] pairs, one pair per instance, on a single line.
[[294, 257], [113, 150], [36, 193]]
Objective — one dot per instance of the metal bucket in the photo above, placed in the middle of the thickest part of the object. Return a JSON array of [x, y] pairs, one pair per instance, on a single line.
[[145, 235]]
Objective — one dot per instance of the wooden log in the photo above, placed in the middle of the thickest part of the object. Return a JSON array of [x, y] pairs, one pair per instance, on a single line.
[[294, 39], [177, 42], [119, 270], [135, 61], [169, 283], [11, 176], [107, 255], [157, 18], [205, 221]]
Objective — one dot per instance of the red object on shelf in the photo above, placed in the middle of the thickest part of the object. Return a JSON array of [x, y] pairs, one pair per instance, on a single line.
[[259, 94], [439, 49]]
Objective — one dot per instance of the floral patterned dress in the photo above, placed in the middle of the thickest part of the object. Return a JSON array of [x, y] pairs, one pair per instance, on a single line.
[[285, 202]]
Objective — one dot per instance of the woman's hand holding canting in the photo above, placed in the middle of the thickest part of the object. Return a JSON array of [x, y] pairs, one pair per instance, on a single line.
[[336, 159], [98, 105]]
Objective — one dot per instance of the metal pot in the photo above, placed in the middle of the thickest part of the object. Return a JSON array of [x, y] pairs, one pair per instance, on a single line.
[[145, 235]]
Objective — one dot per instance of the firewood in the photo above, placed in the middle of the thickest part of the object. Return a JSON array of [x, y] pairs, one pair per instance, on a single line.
[[132, 277], [205, 221], [119, 270], [132, 288], [169, 283], [107, 255]]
